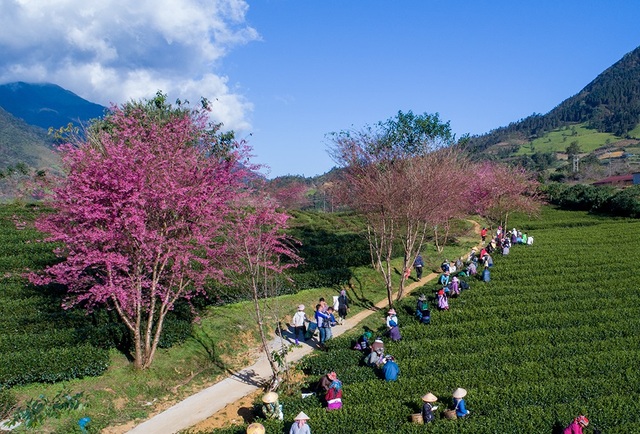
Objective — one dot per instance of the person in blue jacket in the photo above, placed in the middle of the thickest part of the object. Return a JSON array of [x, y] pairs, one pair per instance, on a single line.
[[390, 369], [418, 264], [458, 402]]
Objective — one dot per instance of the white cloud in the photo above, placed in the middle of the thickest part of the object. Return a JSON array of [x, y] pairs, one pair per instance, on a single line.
[[116, 50]]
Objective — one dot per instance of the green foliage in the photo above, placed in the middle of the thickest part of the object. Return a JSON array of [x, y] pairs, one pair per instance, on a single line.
[[35, 411], [554, 334], [600, 199], [7, 402], [55, 364], [625, 202]]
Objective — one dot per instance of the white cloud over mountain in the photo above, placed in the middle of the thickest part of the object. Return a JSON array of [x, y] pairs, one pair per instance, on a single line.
[[112, 51]]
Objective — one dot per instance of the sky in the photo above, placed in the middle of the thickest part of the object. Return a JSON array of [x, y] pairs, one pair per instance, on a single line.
[[284, 74]]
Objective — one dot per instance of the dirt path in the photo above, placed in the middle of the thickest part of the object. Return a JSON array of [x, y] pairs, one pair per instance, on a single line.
[[227, 401]]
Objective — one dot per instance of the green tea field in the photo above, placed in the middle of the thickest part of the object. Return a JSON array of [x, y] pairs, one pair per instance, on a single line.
[[554, 334]]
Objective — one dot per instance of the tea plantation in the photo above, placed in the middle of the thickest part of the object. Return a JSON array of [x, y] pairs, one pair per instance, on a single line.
[[554, 334], [39, 342]]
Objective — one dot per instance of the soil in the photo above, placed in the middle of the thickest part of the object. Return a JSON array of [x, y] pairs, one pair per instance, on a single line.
[[236, 413]]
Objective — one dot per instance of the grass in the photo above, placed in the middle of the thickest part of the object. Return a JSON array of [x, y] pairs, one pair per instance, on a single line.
[[558, 140], [223, 340]]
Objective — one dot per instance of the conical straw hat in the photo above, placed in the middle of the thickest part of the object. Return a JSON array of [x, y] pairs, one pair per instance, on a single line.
[[459, 393], [270, 397], [256, 428], [301, 416], [429, 397]]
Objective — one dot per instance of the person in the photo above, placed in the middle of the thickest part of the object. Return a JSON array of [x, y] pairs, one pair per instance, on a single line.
[[483, 252], [471, 269], [321, 320], [256, 428], [300, 424], [330, 323], [325, 382], [443, 303], [271, 406], [524, 238], [363, 341], [375, 357], [418, 264], [487, 260], [486, 275], [377, 345], [458, 402], [390, 369], [445, 266], [454, 286], [428, 407], [343, 306], [392, 325], [530, 240], [459, 263], [298, 322], [483, 234], [444, 278], [422, 310], [576, 426], [333, 397], [407, 272], [506, 246], [473, 255]]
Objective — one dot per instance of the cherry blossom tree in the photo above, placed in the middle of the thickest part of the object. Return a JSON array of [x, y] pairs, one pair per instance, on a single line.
[[262, 251], [399, 176], [498, 190], [143, 216]]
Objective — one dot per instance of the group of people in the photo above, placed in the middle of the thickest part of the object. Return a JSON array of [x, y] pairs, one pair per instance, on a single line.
[[459, 406], [374, 356], [324, 316], [330, 388]]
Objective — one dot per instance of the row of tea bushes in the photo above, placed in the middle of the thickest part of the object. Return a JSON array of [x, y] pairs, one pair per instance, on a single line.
[[39, 341], [554, 334]]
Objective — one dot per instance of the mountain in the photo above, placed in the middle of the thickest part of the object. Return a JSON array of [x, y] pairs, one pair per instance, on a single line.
[[21, 143], [47, 105], [609, 104]]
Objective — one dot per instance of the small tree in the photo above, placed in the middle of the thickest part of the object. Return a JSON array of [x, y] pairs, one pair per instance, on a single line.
[[143, 214], [262, 252]]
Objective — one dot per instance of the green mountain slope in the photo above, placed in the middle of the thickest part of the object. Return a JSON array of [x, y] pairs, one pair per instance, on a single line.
[[609, 104], [23, 143]]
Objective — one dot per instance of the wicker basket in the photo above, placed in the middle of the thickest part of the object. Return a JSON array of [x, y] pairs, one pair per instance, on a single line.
[[417, 418], [450, 414]]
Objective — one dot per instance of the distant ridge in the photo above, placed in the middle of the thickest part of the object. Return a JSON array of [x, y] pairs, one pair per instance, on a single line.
[[47, 105]]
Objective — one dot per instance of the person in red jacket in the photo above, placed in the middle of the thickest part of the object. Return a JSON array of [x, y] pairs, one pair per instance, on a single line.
[[483, 234], [576, 426]]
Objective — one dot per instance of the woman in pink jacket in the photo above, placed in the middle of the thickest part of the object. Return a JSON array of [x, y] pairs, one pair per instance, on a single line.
[[576, 426]]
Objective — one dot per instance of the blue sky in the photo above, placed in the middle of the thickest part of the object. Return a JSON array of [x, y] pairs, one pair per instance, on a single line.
[[284, 73]]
